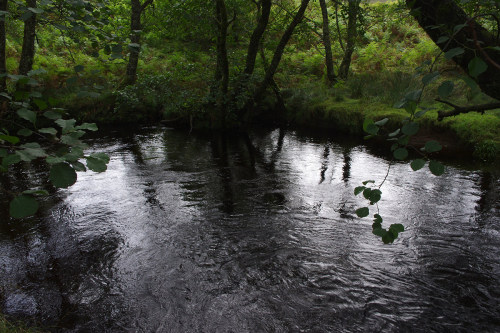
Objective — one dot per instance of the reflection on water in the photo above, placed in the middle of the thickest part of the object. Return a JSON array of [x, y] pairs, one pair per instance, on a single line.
[[250, 234]]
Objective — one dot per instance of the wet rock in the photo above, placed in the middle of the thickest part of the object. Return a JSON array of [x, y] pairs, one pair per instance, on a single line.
[[20, 305]]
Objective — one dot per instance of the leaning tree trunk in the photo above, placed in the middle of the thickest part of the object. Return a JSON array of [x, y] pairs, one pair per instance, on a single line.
[[135, 39], [330, 74], [3, 67], [278, 53], [352, 12], [253, 46], [440, 17], [28, 50]]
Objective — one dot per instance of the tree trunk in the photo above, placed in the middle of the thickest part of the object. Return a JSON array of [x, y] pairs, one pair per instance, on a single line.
[[278, 53], [135, 38], [439, 18], [3, 67], [330, 74], [352, 12], [253, 46], [222, 69], [28, 50]]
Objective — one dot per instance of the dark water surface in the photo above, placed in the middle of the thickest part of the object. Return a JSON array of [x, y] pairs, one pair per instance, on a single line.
[[253, 234]]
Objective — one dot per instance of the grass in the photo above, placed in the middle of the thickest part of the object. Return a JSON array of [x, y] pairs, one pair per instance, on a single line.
[[16, 327], [317, 106]]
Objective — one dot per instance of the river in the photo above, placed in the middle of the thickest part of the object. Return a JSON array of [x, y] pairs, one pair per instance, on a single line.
[[193, 233]]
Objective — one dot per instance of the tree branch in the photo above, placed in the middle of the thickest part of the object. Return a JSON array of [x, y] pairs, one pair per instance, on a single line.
[[147, 3], [465, 109]]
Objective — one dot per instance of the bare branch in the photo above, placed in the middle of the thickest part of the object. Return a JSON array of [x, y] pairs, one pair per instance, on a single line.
[[465, 109]]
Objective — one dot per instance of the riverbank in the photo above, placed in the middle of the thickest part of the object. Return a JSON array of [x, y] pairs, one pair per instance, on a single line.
[[471, 135]]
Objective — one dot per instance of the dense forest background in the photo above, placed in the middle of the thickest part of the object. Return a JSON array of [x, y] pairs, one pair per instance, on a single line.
[[364, 68]]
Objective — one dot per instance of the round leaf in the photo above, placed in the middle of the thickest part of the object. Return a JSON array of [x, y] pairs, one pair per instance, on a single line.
[[96, 164], [410, 128], [24, 132], [454, 52], [27, 114], [362, 212], [477, 66], [417, 164], [436, 168], [432, 146], [397, 227], [375, 196], [359, 189], [445, 89], [400, 153], [62, 175], [22, 206]]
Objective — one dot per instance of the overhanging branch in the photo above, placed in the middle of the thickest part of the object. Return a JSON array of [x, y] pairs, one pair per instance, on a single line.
[[465, 109]]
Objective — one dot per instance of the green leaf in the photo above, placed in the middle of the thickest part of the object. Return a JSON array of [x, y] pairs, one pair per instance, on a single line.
[[24, 132], [417, 164], [453, 52], [375, 196], [74, 155], [378, 218], [477, 66], [96, 164], [428, 78], [382, 122], [379, 231], [359, 189], [7, 96], [35, 10], [410, 128], [470, 83], [414, 95], [87, 126], [42, 105], [436, 168], [397, 227], [459, 27], [101, 156], [27, 114], [38, 71], [445, 89], [52, 115], [78, 166], [420, 114], [400, 154], [396, 132], [362, 212], [54, 159], [389, 237], [62, 175], [66, 125], [36, 192], [11, 159], [69, 140], [432, 146], [22, 206], [367, 192], [48, 130], [79, 68], [442, 39], [368, 181], [3, 152], [370, 127]]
